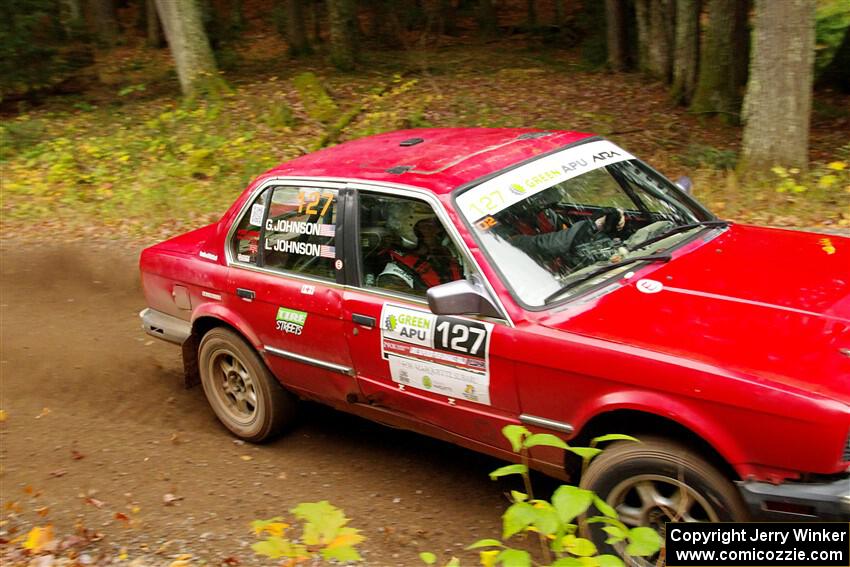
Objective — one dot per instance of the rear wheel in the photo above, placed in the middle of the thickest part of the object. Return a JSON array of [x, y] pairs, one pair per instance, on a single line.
[[242, 392], [657, 481]]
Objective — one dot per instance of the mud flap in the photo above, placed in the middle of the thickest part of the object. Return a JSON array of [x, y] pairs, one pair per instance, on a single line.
[[191, 374]]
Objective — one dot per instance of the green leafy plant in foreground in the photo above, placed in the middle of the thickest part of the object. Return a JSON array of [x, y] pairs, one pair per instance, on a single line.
[[556, 522], [324, 536]]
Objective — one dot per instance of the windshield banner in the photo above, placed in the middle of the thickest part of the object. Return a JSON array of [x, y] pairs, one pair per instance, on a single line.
[[511, 187]]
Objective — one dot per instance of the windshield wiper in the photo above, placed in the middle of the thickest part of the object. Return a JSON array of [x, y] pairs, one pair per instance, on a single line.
[[681, 228], [608, 268]]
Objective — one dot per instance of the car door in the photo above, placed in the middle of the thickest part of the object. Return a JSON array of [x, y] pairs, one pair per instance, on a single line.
[[285, 279], [446, 371]]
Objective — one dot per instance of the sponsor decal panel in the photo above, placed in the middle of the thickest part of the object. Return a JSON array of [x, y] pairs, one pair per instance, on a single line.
[[440, 354], [290, 321], [480, 203]]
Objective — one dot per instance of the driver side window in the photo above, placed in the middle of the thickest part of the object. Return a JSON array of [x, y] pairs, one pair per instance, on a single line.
[[404, 247]]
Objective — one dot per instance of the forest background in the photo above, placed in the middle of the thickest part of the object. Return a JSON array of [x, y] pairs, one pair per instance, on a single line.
[[112, 119]]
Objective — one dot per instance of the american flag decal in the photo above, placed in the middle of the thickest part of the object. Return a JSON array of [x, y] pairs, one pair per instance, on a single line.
[[327, 230], [327, 251]]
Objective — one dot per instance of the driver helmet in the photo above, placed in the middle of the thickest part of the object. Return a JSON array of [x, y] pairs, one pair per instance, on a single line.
[[402, 218]]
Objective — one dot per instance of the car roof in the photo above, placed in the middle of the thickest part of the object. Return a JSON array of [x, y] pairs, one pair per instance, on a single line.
[[439, 159]]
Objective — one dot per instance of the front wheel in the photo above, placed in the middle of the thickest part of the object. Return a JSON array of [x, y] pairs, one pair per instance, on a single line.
[[658, 481], [241, 391]]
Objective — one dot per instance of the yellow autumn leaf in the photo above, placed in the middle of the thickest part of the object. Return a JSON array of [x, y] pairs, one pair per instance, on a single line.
[[827, 246], [275, 528], [246, 457], [488, 558], [827, 181], [2, 415], [38, 538], [346, 539], [837, 165], [122, 555]]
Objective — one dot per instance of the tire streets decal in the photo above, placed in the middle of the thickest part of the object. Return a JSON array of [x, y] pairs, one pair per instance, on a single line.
[[445, 355], [290, 320]]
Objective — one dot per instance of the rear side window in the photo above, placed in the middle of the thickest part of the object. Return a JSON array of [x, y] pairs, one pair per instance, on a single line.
[[245, 245], [299, 231], [290, 229]]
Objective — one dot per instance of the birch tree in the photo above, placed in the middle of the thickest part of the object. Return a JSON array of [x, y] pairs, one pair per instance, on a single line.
[[190, 47]]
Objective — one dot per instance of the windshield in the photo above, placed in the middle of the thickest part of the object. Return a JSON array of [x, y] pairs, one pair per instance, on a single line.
[[548, 223]]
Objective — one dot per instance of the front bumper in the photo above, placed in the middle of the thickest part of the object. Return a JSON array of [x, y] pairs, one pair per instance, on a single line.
[[798, 501], [165, 327]]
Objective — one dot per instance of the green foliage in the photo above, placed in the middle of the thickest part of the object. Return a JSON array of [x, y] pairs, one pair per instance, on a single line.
[[130, 89], [831, 177], [18, 135], [831, 22], [325, 535], [280, 116], [30, 38], [555, 521], [545, 440], [316, 100], [701, 155], [155, 171], [507, 470]]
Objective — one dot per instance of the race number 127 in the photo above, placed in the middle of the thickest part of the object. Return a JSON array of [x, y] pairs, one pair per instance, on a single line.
[[464, 337]]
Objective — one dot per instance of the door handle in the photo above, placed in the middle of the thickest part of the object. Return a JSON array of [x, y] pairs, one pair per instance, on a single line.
[[364, 320], [245, 293]]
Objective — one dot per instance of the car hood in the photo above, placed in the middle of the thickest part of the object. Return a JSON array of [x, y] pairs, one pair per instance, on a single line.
[[770, 304]]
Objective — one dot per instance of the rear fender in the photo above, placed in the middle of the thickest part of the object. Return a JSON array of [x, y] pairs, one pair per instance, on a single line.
[[203, 313]]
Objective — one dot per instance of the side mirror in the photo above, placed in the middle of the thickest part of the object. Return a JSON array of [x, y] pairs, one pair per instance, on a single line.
[[685, 184], [461, 297]]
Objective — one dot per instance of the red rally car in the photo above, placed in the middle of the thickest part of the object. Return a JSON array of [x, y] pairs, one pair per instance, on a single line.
[[454, 281]]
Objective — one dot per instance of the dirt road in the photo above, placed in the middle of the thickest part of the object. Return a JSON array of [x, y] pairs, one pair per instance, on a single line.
[[99, 428]]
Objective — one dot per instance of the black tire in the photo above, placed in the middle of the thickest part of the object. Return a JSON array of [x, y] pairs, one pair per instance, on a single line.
[[645, 482], [241, 391]]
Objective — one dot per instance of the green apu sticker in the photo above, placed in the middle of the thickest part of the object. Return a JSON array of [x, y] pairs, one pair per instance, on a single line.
[[290, 320]]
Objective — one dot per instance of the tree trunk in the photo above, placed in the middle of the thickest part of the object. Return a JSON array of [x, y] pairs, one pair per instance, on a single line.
[[343, 33], [643, 35], [193, 57], [615, 19], [716, 92], [661, 31], [71, 17], [435, 23], [560, 14], [686, 57], [487, 23], [237, 16], [741, 41], [778, 104], [531, 11], [105, 21], [152, 25], [296, 28]]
